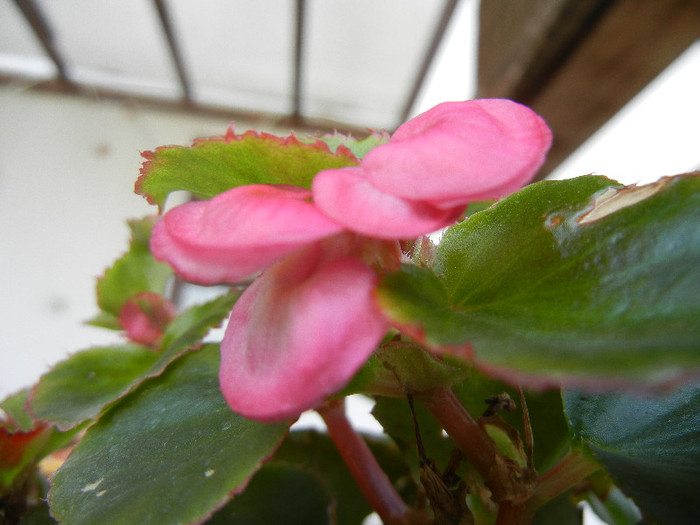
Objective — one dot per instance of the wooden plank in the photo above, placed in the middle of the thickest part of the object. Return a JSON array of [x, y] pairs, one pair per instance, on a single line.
[[578, 66]]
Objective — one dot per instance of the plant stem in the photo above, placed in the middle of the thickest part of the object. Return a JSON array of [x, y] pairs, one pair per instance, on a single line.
[[472, 440], [372, 480], [566, 474]]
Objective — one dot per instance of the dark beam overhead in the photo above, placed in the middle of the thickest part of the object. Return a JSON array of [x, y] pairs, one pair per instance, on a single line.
[[300, 23], [578, 63], [43, 32], [167, 26]]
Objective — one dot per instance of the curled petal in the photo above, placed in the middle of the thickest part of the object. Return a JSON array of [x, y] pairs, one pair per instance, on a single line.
[[298, 334], [235, 234], [460, 152], [348, 197]]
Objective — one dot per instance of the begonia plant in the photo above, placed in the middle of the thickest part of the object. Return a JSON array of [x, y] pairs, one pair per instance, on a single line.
[[527, 348]]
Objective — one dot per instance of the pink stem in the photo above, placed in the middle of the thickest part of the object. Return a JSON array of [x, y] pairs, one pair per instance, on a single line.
[[466, 433], [372, 480]]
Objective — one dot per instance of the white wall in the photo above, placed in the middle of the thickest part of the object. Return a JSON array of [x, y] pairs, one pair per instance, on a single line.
[[67, 172]]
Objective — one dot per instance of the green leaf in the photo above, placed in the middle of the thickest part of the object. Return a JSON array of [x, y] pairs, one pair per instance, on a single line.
[[170, 452], [315, 453], [549, 427], [614, 507], [193, 324], [24, 442], [565, 279], [135, 272], [359, 147], [14, 417], [649, 445], [189, 328], [394, 414], [559, 511], [279, 494], [212, 166], [76, 389]]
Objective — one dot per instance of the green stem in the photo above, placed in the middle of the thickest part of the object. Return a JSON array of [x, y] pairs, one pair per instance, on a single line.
[[566, 474], [372, 480]]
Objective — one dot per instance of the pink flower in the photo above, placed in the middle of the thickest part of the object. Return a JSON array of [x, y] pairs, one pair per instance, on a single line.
[[309, 321], [434, 164]]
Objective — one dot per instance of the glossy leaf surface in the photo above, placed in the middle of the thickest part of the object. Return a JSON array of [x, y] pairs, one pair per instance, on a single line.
[[170, 452], [565, 279], [649, 445]]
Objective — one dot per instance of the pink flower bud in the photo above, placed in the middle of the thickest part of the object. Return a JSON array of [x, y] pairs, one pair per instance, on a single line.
[[145, 316]]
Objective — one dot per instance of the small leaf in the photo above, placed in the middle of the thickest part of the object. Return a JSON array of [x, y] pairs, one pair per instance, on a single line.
[[563, 280], [76, 389], [215, 165], [649, 445], [13, 415], [193, 324], [135, 272], [170, 452]]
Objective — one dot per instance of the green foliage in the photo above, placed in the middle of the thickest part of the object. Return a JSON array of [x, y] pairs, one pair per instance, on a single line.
[[650, 445], [564, 280], [135, 272], [213, 166], [79, 387], [169, 452], [568, 282], [280, 494], [76, 389], [315, 454], [359, 148]]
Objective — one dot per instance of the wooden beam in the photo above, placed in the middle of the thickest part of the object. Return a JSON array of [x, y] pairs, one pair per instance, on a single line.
[[166, 24], [32, 13], [578, 63]]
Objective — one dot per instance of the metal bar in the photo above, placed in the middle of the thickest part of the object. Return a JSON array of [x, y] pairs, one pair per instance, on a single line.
[[447, 13], [174, 49], [42, 30], [298, 59]]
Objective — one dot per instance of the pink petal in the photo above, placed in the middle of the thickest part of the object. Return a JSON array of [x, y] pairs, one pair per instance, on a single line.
[[348, 197], [145, 316], [298, 334], [460, 152], [235, 234]]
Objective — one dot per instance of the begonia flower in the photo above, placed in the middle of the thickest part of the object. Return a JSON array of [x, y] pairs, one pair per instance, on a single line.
[[434, 165], [309, 321]]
